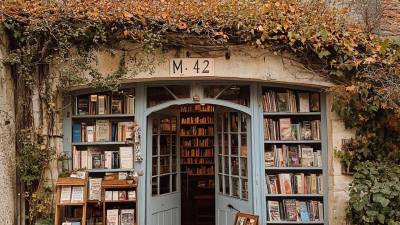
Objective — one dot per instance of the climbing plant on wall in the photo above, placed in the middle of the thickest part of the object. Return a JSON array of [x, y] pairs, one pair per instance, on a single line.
[[68, 34]]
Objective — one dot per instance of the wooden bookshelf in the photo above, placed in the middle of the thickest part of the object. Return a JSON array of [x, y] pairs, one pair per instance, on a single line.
[[294, 155], [119, 185], [70, 182]]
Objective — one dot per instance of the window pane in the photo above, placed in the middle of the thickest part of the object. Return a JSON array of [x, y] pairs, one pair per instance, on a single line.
[[165, 126], [243, 123], [180, 91], [235, 166], [234, 122], [165, 147], [155, 145], [226, 145], [234, 144], [164, 165], [157, 95], [174, 163], [226, 165], [155, 126], [243, 145], [221, 187], [220, 164], [244, 189], [211, 91], [164, 184], [154, 186], [155, 164], [235, 187], [174, 182], [243, 165], [227, 185]]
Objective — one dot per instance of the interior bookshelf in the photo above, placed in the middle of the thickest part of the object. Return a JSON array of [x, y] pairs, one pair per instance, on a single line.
[[294, 157], [102, 146], [196, 139]]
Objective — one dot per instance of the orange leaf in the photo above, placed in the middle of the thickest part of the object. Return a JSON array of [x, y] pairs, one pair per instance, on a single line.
[[127, 14], [182, 25]]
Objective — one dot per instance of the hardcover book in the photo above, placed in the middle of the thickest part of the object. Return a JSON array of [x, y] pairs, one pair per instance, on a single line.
[[83, 105], [283, 101], [314, 102], [294, 158], [65, 194], [304, 212], [76, 132], [126, 157], [108, 195], [285, 129], [102, 130], [285, 183], [77, 194], [307, 156], [274, 211], [112, 217], [95, 189], [90, 132], [304, 102], [127, 216], [116, 105], [291, 211]]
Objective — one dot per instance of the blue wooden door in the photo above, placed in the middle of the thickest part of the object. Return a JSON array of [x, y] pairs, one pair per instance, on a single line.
[[233, 159], [163, 199]]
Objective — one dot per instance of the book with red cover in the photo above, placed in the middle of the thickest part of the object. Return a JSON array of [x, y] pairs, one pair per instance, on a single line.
[[285, 129]]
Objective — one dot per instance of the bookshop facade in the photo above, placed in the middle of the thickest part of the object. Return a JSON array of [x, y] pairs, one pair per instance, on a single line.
[[204, 138]]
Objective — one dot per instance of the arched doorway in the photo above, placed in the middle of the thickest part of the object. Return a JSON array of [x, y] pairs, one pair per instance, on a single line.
[[167, 157]]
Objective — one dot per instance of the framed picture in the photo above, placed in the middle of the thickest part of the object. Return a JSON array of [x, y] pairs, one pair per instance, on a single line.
[[246, 219]]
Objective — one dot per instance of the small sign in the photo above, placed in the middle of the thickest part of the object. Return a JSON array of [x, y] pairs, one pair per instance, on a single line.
[[246, 219], [191, 67]]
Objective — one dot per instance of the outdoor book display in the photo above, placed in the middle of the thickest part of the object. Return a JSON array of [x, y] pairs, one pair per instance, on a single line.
[[103, 137], [293, 157]]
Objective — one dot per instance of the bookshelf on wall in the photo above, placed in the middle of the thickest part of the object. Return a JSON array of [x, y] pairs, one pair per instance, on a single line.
[[103, 132], [294, 157]]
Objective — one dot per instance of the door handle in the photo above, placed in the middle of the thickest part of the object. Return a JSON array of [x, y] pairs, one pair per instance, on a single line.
[[232, 207]]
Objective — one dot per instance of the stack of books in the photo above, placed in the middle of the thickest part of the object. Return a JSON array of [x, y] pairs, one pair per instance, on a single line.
[[292, 156], [104, 104], [294, 210], [290, 101], [102, 131], [284, 129], [299, 183]]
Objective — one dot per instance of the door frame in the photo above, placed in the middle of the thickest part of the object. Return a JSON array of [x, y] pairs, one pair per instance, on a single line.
[[253, 111]]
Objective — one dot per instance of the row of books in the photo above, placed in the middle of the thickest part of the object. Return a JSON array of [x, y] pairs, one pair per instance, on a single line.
[[120, 217], [120, 196], [197, 108], [292, 156], [104, 104], [188, 160], [197, 142], [294, 210], [96, 158], [200, 131], [102, 131], [208, 152], [290, 101], [284, 129], [203, 170], [299, 183], [197, 120]]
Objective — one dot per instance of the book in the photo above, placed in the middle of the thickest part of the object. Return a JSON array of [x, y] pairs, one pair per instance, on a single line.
[[84, 159], [126, 157], [66, 223], [115, 195], [283, 101], [285, 183], [131, 195], [285, 129], [293, 156], [65, 194], [304, 212], [97, 161], [116, 105], [108, 159], [273, 184], [314, 102], [90, 132], [274, 211], [95, 189], [306, 133], [304, 102], [76, 132], [269, 159], [77, 194], [290, 209], [115, 160], [93, 105], [112, 217], [307, 156], [122, 195], [108, 195], [101, 104], [83, 105], [127, 216], [102, 130]]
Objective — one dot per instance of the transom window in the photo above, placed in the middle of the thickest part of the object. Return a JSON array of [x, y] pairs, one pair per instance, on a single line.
[[239, 94], [160, 94]]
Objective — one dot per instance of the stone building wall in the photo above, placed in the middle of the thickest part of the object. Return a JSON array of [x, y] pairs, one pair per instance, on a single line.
[[7, 142], [390, 24]]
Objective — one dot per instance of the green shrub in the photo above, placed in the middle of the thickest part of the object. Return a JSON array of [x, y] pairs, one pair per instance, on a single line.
[[375, 194]]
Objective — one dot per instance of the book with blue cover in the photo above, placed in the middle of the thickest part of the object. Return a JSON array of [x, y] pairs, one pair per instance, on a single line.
[[305, 217], [76, 132]]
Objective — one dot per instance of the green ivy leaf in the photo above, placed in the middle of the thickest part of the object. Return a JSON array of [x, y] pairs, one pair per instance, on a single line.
[[381, 218]]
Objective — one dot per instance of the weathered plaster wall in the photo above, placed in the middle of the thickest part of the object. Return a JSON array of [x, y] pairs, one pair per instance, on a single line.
[[7, 142]]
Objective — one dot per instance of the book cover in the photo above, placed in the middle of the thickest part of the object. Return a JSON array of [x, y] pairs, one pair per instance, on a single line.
[[285, 129], [283, 101], [307, 156], [304, 216], [76, 132], [306, 133], [273, 184], [116, 105], [101, 104], [90, 132], [132, 195], [115, 196], [291, 211], [77, 194], [112, 217], [294, 158], [126, 157], [269, 159], [304, 102], [102, 130], [95, 189], [84, 159], [108, 159], [274, 211], [295, 131], [314, 102], [83, 105], [285, 183], [108, 195], [115, 160], [65, 194], [127, 216], [96, 161], [122, 195]]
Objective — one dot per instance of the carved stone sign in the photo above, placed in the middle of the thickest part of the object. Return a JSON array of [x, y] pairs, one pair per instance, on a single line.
[[191, 67]]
